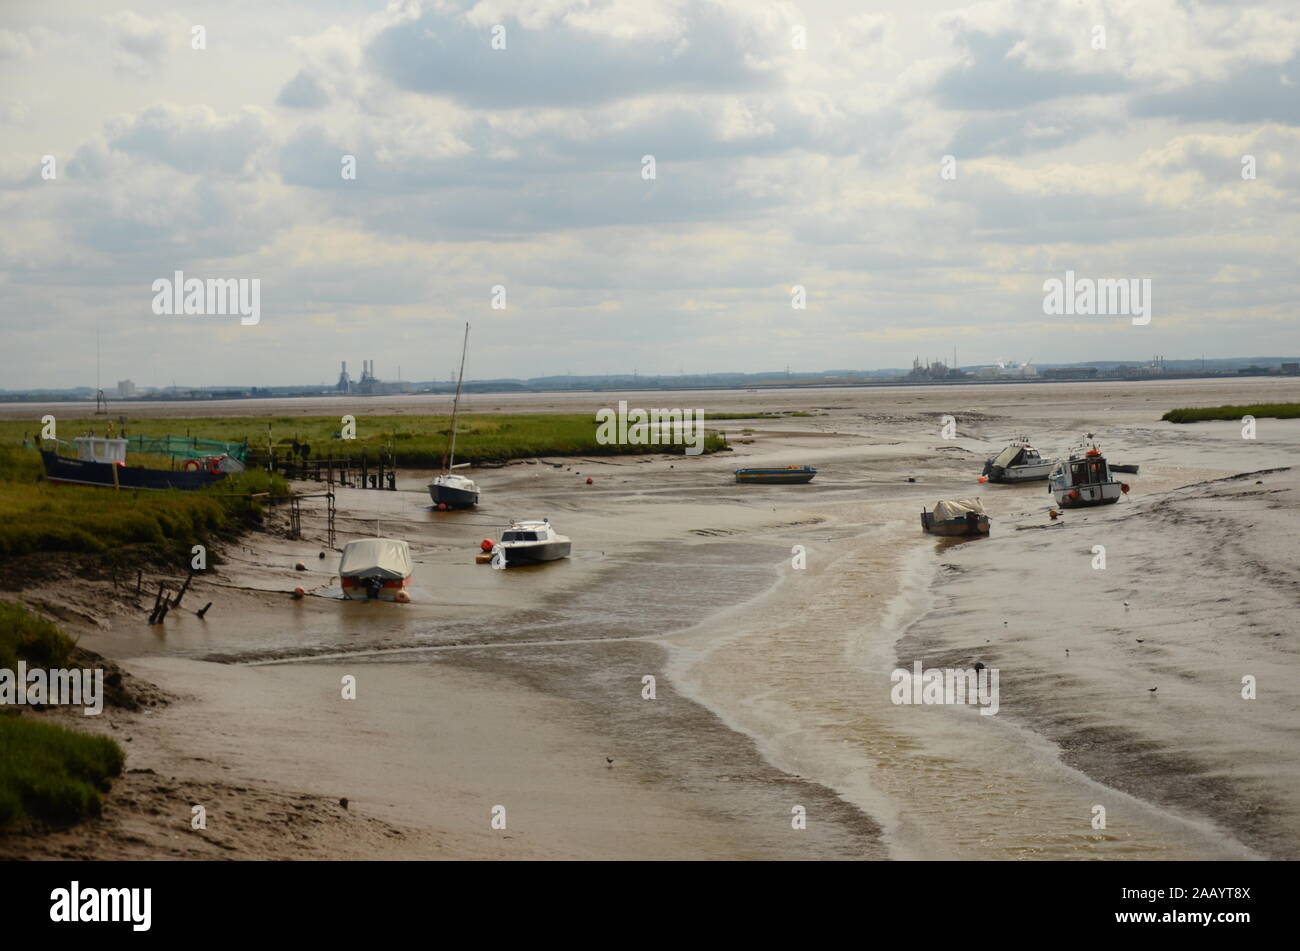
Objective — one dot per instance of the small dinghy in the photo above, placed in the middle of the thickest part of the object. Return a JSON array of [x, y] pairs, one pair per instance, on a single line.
[[781, 475], [955, 518], [1085, 479], [376, 569], [1019, 462], [530, 542]]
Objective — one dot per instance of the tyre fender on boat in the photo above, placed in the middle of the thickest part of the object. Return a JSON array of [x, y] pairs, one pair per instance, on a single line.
[[191, 465], [214, 465]]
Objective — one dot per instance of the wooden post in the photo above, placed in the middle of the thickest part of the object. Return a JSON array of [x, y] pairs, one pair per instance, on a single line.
[[185, 587]]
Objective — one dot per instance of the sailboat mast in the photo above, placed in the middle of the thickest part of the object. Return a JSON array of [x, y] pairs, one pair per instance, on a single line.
[[455, 402]]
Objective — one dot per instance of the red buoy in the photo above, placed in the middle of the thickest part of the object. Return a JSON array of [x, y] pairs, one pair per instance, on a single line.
[[299, 593], [442, 506], [486, 544], [588, 480]]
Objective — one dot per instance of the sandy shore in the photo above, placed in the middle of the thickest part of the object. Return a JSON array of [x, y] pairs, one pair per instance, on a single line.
[[513, 688]]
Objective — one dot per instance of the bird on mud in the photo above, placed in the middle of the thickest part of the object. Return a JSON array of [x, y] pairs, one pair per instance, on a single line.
[[609, 762]]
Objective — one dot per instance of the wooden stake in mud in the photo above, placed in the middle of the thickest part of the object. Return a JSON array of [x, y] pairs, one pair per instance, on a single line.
[[185, 587], [160, 605], [203, 610]]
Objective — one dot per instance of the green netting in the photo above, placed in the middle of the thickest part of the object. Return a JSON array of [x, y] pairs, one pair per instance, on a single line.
[[186, 447]]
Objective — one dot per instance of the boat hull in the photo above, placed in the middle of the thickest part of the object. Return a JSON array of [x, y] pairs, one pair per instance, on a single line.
[[1013, 474], [533, 554], [1082, 496], [451, 497], [775, 476], [67, 471], [953, 528], [357, 588]]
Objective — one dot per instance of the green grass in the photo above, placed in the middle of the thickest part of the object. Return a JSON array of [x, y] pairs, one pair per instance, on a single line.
[[51, 772], [1258, 410], [30, 637], [418, 441], [69, 518], [47, 771]]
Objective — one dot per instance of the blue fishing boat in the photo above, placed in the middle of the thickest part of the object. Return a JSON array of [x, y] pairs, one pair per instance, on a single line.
[[102, 461], [779, 475]]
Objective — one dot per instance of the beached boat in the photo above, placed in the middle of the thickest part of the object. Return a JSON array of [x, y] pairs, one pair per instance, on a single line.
[[102, 461], [1018, 462], [1084, 479], [780, 475], [953, 518], [529, 541], [451, 489], [375, 569]]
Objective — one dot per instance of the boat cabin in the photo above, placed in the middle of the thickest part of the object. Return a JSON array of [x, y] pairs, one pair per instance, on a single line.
[[101, 449]]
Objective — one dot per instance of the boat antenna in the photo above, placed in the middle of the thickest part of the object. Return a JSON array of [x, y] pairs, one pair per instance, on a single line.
[[455, 401]]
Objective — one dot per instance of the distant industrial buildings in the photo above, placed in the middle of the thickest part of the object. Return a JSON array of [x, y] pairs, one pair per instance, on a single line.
[[369, 384], [125, 390], [1007, 370]]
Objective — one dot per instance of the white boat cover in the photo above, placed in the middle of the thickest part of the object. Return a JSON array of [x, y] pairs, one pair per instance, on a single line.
[[948, 509], [1008, 455], [376, 558]]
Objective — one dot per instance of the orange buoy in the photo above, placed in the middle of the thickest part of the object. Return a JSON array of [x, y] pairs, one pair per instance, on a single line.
[[1074, 494], [1052, 513], [299, 593], [300, 567], [983, 480], [486, 544]]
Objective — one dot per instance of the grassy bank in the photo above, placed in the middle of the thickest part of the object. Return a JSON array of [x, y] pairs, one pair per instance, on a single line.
[[37, 516], [1258, 410], [418, 441], [46, 771]]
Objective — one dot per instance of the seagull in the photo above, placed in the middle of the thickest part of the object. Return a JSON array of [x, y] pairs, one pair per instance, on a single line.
[[1067, 652], [609, 762], [1140, 641], [1125, 604], [1152, 689]]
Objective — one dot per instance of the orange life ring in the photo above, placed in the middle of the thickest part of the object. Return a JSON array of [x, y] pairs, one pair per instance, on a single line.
[[214, 465], [192, 465]]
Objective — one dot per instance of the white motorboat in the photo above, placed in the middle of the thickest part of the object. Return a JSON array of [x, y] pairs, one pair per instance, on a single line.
[[530, 541], [1018, 462], [376, 569]]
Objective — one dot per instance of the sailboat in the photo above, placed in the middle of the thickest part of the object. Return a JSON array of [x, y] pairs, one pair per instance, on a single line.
[[450, 489]]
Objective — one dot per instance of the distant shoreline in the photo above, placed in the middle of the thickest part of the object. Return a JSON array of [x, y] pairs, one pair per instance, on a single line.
[[11, 409]]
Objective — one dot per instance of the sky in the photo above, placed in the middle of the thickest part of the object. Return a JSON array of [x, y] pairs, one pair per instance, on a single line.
[[920, 169]]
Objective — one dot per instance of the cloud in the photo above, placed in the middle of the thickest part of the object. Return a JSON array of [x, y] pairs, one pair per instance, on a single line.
[[193, 139], [304, 91], [1261, 92], [140, 44], [712, 49], [995, 75]]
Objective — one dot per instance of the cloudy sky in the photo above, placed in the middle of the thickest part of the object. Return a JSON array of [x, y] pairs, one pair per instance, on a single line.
[[793, 143]]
